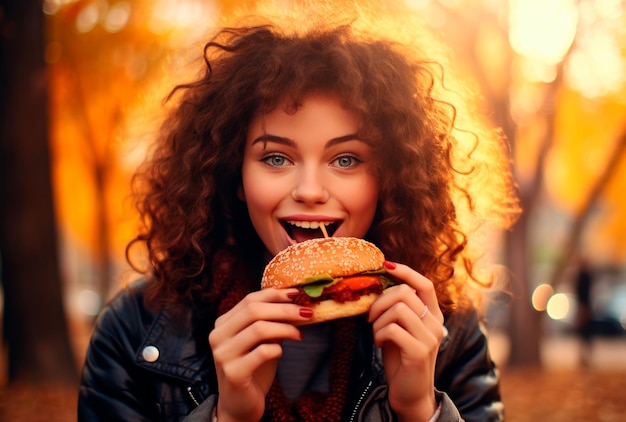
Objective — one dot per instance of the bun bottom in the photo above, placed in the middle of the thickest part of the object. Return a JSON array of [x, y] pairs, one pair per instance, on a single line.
[[327, 310]]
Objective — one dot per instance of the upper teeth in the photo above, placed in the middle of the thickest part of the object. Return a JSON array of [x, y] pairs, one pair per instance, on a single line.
[[307, 224]]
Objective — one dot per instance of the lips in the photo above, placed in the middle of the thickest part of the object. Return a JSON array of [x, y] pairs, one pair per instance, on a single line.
[[300, 231]]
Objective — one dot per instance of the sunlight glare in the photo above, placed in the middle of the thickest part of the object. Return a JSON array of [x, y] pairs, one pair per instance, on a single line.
[[526, 100], [539, 71], [417, 4], [171, 14], [596, 66], [451, 4], [543, 31], [183, 22], [609, 9]]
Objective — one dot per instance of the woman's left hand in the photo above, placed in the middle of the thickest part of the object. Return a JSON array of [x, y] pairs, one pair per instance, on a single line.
[[408, 326]]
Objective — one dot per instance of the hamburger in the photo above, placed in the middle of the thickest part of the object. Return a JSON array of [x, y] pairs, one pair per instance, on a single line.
[[336, 276]]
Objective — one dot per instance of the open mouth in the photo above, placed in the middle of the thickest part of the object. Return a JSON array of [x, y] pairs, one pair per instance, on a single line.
[[305, 230]]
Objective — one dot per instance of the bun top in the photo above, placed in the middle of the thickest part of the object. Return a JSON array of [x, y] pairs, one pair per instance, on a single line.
[[335, 256]]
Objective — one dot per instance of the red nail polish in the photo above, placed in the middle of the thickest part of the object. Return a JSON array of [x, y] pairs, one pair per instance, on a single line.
[[306, 312], [301, 335], [389, 265], [292, 295]]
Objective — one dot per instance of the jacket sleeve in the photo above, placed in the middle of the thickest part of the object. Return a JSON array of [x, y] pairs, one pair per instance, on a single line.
[[466, 373], [109, 389]]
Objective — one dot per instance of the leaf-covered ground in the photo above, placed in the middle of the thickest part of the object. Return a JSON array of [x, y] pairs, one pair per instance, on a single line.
[[529, 395], [564, 395]]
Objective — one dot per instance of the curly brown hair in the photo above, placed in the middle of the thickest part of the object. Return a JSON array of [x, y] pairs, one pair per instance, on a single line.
[[436, 159]]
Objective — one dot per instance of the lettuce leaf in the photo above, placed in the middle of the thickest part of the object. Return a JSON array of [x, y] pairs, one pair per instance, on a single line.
[[316, 288], [386, 281], [315, 285]]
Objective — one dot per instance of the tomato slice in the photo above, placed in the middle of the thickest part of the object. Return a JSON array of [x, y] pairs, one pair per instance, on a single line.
[[354, 283]]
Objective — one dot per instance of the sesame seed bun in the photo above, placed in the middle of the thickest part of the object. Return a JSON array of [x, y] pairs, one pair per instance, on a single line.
[[335, 256]]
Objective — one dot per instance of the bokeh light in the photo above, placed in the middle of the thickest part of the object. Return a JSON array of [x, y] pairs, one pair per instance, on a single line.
[[50, 7], [541, 296], [558, 306], [88, 302], [596, 66], [117, 17], [89, 17], [542, 31]]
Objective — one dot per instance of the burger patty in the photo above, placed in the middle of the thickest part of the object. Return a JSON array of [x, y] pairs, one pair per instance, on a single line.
[[339, 295]]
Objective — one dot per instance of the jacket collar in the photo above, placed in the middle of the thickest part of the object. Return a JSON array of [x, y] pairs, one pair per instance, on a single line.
[[169, 348]]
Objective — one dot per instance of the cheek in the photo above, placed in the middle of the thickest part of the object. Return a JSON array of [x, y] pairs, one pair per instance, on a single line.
[[260, 195], [361, 200], [252, 197], [368, 200]]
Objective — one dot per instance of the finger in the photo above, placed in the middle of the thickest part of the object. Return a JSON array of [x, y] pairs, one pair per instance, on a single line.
[[427, 330], [402, 305], [393, 295], [257, 311], [241, 369], [265, 295], [249, 339], [400, 313], [272, 306], [409, 347], [424, 288]]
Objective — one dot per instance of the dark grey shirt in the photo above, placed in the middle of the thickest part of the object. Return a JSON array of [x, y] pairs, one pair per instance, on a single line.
[[304, 365]]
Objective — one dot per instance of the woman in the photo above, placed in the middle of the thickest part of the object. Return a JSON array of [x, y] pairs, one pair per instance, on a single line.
[[293, 125]]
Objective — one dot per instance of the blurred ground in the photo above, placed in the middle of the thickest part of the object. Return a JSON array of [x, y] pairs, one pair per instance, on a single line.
[[561, 391], [564, 395], [529, 395]]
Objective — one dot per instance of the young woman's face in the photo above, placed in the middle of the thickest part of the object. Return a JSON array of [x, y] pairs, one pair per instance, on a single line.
[[307, 168]]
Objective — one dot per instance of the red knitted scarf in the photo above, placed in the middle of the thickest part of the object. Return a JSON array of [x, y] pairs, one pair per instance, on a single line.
[[231, 283]]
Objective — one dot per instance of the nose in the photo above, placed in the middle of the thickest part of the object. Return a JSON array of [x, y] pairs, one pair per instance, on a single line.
[[310, 187]]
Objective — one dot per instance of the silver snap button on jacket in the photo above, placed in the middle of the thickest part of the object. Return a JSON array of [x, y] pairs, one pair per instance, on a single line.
[[150, 354]]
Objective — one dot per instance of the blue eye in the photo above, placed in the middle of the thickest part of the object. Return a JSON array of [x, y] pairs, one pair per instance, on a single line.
[[275, 160], [346, 161]]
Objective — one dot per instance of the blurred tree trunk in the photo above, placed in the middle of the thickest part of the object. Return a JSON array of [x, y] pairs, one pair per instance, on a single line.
[[34, 323], [524, 323]]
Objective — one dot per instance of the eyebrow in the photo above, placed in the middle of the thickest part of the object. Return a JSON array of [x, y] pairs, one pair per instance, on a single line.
[[266, 137]]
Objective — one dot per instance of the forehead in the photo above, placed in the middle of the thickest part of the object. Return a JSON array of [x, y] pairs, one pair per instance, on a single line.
[[315, 114]]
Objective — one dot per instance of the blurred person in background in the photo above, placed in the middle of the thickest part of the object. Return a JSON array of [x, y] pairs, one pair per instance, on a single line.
[[584, 312]]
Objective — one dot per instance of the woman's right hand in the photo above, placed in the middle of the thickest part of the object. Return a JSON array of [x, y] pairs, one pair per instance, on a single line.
[[246, 344]]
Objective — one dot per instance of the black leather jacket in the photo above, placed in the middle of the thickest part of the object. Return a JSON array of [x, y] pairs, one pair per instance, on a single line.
[[146, 366]]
